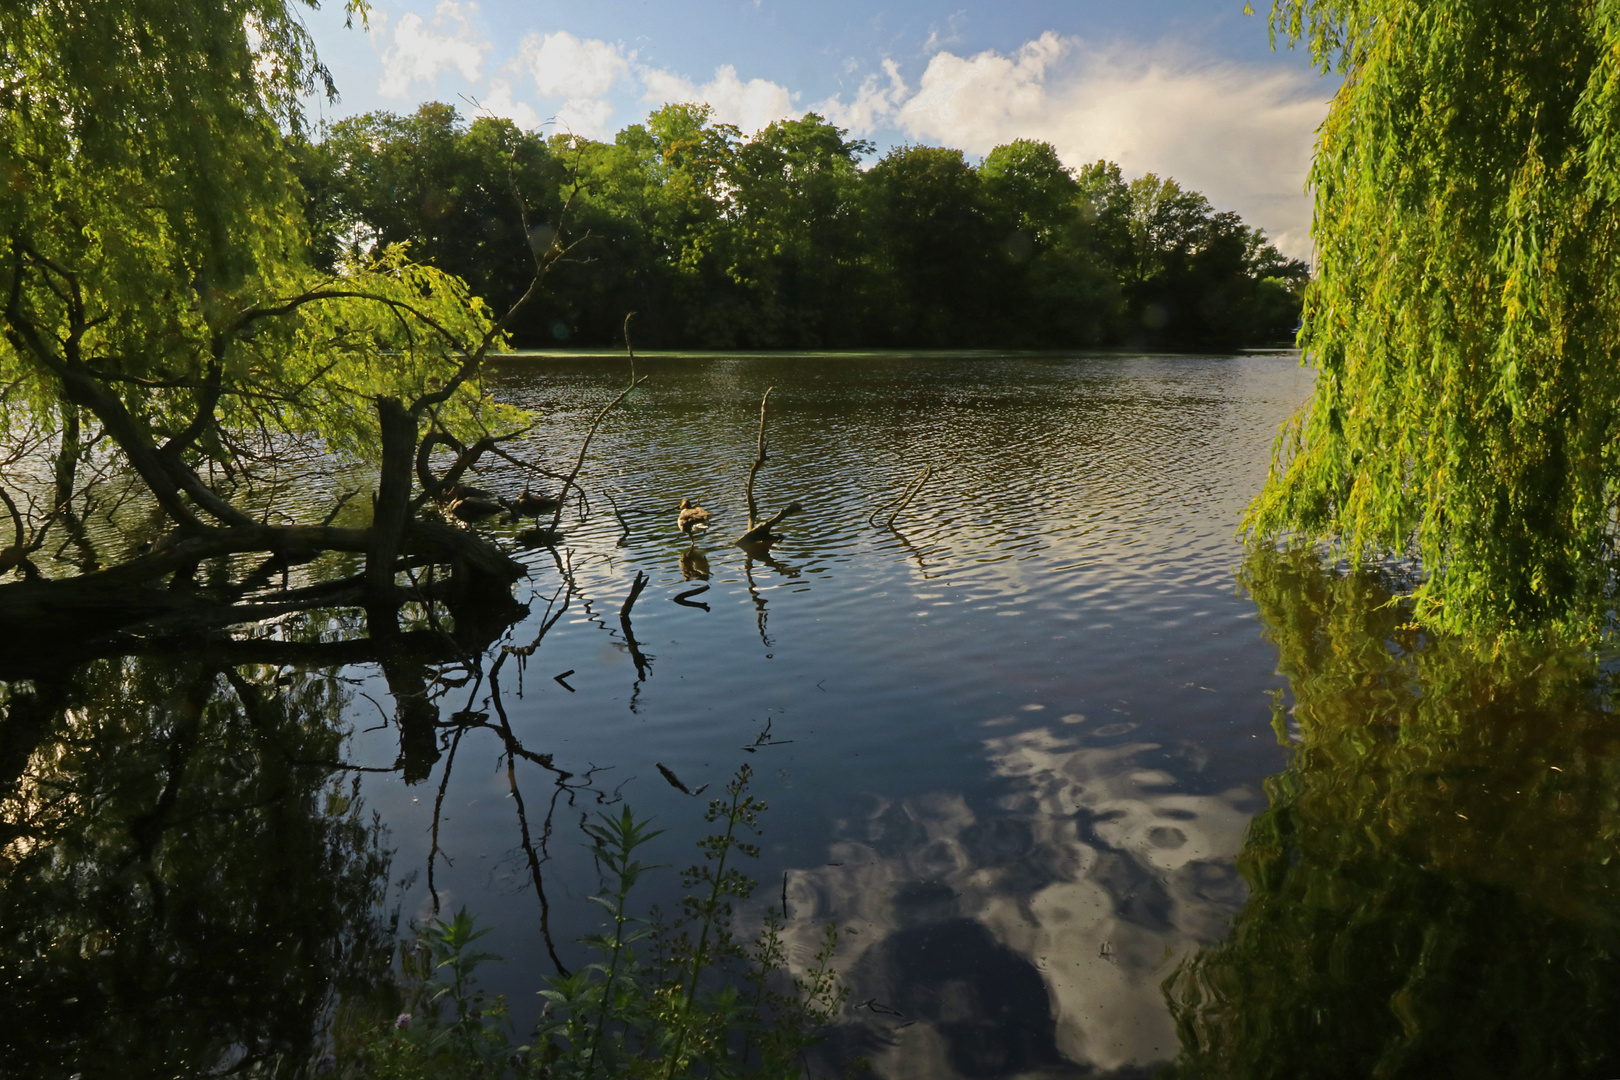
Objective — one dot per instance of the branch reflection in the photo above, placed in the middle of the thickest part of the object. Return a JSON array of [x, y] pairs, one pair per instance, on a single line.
[[761, 553]]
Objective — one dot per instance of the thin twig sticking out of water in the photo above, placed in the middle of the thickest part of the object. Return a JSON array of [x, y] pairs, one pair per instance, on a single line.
[[628, 349], [624, 526], [759, 459], [579, 462], [905, 499], [759, 532]]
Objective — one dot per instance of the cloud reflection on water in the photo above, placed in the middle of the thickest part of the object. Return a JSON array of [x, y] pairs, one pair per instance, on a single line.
[[1034, 935]]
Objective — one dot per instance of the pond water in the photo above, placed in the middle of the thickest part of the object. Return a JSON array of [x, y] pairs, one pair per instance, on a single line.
[[1088, 793]]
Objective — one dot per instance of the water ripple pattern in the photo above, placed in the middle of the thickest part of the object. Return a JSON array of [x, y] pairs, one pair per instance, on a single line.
[[1022, 730]]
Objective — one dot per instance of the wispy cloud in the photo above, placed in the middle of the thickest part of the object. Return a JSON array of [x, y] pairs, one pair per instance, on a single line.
[[421, 50], [875, 104], [499, 101], [1240, 135], [952, 34]]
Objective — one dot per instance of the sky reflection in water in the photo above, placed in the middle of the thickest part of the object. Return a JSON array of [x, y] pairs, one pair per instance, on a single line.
[[1029, 727], [1093, 795]]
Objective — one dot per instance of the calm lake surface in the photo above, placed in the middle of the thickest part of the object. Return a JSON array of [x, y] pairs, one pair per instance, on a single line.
[[1089, 792]]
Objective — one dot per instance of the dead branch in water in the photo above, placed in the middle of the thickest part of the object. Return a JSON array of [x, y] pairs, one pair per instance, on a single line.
[[753, 470], [579, 462], [624, 526], [905, 500], [635, 591], [640, 659], [685, 599], [759, 532], [627, 347]]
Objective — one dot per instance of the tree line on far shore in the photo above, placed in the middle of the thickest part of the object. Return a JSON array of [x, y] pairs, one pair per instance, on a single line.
[[784, 240]]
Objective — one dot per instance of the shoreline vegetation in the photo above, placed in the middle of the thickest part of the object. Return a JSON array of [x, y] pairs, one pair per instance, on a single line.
[[609, 354], [1464, 320], [664, 996], [794, 238]]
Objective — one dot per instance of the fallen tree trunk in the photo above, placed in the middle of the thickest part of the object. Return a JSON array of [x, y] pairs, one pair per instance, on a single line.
[[96, 613]]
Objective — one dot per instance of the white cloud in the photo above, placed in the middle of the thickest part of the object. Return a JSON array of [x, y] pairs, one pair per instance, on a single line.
[[1241, 135], [976, 100], [591, 118], [564, 66], [874, 105], [421, 51], [500, 102], [750, 105]]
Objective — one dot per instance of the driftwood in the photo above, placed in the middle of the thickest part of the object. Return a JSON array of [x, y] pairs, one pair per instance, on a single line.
[[79, 613], [759, 531]]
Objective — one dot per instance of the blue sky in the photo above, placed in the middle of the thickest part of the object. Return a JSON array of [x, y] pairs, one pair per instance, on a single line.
[[1184, 88]]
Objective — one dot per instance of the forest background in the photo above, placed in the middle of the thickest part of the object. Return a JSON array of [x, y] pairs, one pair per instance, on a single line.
[[783, 240]]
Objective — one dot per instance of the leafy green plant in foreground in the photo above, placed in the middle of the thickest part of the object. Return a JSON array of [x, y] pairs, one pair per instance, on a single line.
[[660, 1000]]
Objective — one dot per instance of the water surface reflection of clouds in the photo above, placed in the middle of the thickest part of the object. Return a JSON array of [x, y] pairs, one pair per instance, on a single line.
[[1034, 935], [1029, 726]]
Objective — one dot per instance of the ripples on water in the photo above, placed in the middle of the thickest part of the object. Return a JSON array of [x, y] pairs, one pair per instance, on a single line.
[[1090, 797], [1027, 727]]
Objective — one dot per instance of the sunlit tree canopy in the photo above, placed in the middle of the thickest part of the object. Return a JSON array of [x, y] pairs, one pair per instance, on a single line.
[[1464, 324], [163, 313]]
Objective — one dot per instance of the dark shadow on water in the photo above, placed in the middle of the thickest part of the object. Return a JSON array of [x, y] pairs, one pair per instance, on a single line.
[[184, 884]]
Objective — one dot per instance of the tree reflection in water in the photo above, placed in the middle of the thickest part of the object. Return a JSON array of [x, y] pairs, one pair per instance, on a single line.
[[183, 885], [188, 883], [1434, 887]]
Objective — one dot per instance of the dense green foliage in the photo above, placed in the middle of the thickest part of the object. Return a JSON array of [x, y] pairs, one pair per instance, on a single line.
[[1465, 320], [782, 239], [665, 1000], [159, 298], [1433, 889]]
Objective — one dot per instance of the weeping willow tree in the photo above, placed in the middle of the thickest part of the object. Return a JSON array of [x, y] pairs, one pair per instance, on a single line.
[[1465, 319], [161, 320]]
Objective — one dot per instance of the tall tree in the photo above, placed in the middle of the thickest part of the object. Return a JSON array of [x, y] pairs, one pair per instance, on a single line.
[[1052, 286], [933, 248], [449, 188], [1465, 321], [795, 188]]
